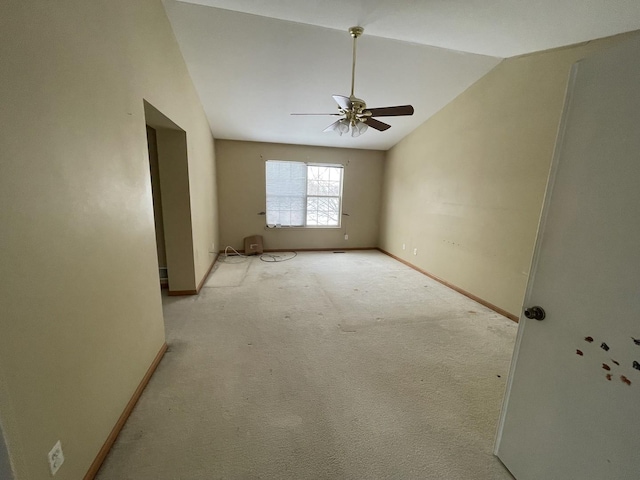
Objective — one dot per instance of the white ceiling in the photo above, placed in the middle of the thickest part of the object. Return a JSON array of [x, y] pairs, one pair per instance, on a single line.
[[254, 62]]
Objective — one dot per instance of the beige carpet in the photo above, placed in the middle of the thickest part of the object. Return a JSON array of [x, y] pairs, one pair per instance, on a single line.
[[327, 366]]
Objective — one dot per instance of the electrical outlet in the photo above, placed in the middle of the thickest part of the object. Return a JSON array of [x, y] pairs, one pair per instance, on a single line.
[[415, 251], [56, 458], [404, 247], [346, 236]]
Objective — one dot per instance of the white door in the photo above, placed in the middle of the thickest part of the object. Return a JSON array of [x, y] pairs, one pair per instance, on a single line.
[[572, 408]]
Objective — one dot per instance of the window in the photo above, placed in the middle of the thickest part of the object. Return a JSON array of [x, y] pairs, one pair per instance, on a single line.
[[303, 195]]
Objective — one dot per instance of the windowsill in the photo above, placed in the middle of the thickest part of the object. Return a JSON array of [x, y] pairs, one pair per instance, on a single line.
[[311, 227]]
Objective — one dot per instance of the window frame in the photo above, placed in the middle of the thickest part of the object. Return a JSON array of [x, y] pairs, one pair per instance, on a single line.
[[339, 166]]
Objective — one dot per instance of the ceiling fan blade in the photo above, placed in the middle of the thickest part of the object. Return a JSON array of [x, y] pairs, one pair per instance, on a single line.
[[332, 127], [390, 111], [343, 102], [331, 114], [377, 124]]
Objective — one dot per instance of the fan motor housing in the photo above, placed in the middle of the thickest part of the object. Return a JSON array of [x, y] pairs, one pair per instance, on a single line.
[[358, 105]]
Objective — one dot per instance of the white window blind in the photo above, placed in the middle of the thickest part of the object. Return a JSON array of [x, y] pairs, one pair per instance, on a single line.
[[302, 195], [286, 193]]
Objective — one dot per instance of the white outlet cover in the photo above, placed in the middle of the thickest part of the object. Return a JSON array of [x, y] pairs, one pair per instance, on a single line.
[[415, 251], [404, 246], [56, 458]]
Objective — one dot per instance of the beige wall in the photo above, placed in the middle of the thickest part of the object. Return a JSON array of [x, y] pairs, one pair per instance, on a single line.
[[466, 187], [154, 168], [241, 186], [81, 313], [176, 208]]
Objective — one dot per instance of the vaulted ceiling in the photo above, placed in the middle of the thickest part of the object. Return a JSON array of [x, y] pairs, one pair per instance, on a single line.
[[254, 62]]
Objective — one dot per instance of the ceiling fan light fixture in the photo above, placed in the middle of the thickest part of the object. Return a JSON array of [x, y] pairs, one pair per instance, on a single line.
[[361, 126], [342, 126], [358, 127]]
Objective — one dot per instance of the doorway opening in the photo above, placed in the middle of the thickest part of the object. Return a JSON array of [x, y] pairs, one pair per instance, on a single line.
[[154, 170], [169, 176]]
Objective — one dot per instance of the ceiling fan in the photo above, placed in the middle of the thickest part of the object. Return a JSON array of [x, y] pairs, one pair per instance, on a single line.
[[354, 112]]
